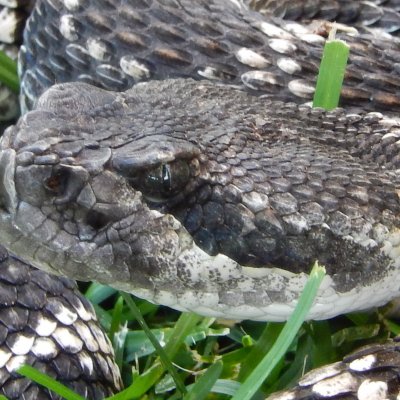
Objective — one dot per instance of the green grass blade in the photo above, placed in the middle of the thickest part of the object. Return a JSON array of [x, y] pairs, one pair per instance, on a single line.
[[182, 329], [393, 327], [263, 369], [298, 365], [141, 384], [118, 341], [160, 351], [353, 333], [49, 383], [205, 383], [331, 73], [225, 386], [137, 344], [116, 320], [263, 345], [8, 72], [96, 292], [323, 351], [221, 386]]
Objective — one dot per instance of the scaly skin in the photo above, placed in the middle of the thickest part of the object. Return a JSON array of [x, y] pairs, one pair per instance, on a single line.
[[244, 189], [370, 373], [366, 16], [205, 198], [116, 46], [45, 322]]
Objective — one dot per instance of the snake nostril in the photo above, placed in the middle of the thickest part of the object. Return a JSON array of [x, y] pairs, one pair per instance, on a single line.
[[55, 183], [66, 183]]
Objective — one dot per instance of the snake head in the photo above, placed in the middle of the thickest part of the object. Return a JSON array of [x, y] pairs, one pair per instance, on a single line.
[[73, 180], [195, 196]]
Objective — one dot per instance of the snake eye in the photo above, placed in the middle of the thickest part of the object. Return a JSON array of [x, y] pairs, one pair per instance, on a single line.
[[163, 181]]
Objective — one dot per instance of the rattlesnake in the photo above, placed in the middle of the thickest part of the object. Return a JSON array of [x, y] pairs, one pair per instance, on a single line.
[[199, 195]]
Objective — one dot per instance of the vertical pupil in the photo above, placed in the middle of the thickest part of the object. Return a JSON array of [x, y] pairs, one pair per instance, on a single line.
[[166, 177], [162, 181]]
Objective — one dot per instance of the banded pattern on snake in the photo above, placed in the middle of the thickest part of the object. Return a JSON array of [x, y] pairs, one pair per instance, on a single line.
[[198, 195]]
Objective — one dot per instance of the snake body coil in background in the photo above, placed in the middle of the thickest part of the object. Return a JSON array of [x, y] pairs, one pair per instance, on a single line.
[[47, 323], [204, 196]]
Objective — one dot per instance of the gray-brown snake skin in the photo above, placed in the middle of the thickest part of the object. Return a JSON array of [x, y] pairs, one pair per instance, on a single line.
[[47, 323], [203, 196]]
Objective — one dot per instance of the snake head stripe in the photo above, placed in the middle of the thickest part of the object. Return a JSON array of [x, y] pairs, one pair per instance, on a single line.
[[205, 198]]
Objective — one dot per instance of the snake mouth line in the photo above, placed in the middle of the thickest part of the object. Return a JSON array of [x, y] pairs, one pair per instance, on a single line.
[[239, 294]]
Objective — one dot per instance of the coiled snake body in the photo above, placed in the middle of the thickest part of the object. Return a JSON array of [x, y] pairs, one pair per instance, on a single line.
[[200, 195]]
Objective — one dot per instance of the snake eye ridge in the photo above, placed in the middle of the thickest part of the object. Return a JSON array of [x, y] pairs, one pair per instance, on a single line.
[[162, 181]]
